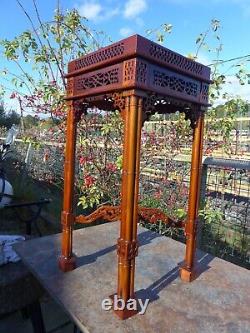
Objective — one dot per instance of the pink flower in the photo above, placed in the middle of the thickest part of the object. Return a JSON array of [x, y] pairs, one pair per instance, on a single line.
[[111, 167], [158, 194], [83, 160]]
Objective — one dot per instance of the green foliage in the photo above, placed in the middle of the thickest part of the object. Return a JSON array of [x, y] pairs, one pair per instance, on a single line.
[[118, 162], [7, 119], [34, 141], [92, 198], [211, 215], [47, 48], [159, 34], [222, 122], [180, 213], [30, 121]]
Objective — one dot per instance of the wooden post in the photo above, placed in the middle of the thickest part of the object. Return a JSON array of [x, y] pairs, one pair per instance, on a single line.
[[127, 247], [67, 260], [187, 271]]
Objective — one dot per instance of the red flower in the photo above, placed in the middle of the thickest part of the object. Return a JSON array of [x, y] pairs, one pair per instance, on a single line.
[[89, 181]]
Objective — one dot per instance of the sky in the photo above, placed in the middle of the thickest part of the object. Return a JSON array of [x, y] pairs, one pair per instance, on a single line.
[[120, 19]]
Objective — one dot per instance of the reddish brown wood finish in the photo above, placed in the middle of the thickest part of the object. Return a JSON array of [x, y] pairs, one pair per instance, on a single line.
[[127, 243], [187, 272], [67, 260], [139, 78]]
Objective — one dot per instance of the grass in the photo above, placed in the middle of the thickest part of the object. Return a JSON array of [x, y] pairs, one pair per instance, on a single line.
[[26, 189]]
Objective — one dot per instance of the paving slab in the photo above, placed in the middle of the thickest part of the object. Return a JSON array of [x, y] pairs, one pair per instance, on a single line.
[[217, 301]]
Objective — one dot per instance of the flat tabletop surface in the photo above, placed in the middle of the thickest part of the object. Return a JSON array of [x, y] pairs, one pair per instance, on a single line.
[[217, 301]]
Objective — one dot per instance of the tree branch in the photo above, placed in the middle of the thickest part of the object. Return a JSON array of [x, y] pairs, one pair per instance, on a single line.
[[38, 37]]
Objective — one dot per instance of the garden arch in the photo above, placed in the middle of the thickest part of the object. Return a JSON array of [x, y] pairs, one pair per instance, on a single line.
[[138, 77]]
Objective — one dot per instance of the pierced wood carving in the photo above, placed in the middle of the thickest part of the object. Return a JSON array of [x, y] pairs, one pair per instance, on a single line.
[[158, 103], [108, 53], [169, 57], [113, 213], [107, 213], [80, 108], [169, 80], [154, 215], [99, 79], [118, 101]]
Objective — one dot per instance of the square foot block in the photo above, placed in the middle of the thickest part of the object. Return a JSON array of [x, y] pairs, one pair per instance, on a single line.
[[126, 312], [67, 264], [186, 275]]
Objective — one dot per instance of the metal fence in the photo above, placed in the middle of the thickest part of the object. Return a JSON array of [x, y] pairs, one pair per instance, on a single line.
[[225, 223]]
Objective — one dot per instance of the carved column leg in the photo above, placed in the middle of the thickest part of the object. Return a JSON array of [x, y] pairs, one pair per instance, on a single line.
[[187, 271], [127, 243], [135, 213], [123, 195], [67, 260]]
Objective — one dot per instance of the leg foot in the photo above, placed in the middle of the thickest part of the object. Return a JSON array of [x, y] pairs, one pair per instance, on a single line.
[[67, 264], [126, 312], [187, 275]]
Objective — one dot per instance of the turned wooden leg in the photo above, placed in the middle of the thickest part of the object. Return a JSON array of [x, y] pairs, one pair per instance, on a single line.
[[187, 271], [67, 260], [127, 246]]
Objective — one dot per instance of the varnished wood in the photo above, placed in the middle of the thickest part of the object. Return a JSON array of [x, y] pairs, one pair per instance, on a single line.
[[67, 260], [139, 78], [130, 178], [107, 213], [187, 272]]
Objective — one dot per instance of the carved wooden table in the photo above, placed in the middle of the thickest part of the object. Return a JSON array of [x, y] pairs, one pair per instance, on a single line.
[[138, 78], [217, 301]]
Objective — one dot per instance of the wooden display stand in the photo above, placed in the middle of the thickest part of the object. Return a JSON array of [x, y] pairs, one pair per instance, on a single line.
[[139, 78]]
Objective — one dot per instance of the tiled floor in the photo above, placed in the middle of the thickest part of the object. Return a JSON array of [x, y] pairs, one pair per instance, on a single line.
[[56, 321]]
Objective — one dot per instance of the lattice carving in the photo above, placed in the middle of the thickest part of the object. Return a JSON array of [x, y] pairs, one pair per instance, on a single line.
[[103, 78], [99, 56], [204, 92], [107, 102], [193, 114], [135, 70], [153, 215], [80, 108], [157, 103], [118, 101], [149, 103], [127, 250], [107, 213], [141, 72], [70, 86], [129, 70], [169, 57], [175, 82]]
